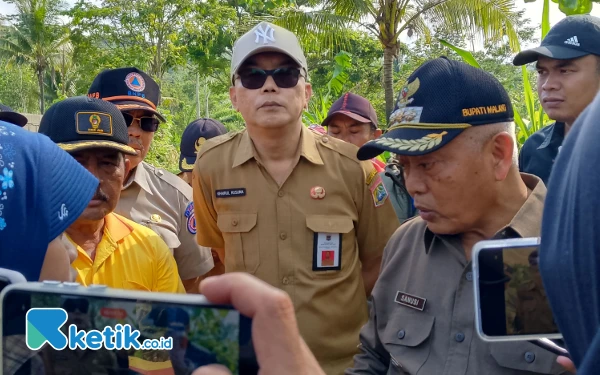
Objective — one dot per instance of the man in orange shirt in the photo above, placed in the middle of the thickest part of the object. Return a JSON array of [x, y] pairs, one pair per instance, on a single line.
[[111, 249]]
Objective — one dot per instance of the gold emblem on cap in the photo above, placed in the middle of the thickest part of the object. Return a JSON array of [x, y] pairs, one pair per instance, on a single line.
[[155, 218], [407, 91], [199, 143], [95, 120]]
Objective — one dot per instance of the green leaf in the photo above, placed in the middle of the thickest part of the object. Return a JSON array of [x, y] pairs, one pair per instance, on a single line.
[[466, 55], [545, 18]]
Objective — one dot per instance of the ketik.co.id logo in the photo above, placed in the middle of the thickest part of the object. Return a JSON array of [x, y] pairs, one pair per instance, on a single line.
[[43, 325]]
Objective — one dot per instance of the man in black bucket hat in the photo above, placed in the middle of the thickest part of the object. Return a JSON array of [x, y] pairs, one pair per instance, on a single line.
[[453, 132]]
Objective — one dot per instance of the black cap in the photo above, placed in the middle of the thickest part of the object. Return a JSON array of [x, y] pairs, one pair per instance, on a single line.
[[128, 88], [573, 37], [194, 135], [355, 107], [82, 122], [442, 98], [7, 114]]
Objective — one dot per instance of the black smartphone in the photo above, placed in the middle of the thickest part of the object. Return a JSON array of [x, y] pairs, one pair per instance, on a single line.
[[64, 327], [510, 299]]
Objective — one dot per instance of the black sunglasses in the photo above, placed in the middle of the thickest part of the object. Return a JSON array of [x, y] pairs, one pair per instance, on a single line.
[[284, 78], [147, 123]]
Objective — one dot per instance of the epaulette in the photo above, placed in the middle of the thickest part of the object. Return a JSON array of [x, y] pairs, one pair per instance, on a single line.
[[344, 148], [216, 141], [170, 179]]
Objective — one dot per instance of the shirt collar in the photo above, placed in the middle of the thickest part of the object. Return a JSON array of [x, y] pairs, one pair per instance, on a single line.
[[526, 223], [308, 148], [556, 133], [140, 176]]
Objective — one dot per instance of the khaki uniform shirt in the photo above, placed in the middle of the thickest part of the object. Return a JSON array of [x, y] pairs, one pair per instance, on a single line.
[[441, 339], [297, 237], [162, 201]]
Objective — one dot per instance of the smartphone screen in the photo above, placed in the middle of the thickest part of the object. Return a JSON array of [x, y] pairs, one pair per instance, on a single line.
[[512, 297], [186, 336]]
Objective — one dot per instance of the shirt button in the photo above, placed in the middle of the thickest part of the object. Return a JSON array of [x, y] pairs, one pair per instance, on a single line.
[[459, 337], [529, 357], [280, 193], [469, 276], [283, 235], [234, 222], [401, 334], [285, 281], [325, 139]]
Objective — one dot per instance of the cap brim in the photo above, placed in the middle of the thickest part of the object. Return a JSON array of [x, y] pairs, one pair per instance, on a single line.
[[553, 52], [266, 49], [86, 145], [409, 141], [186, 163], [352, 115], [14, 118], [130, 105]]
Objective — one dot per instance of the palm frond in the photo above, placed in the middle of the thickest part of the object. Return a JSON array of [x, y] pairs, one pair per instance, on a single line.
[[321, 26], [493, 19]]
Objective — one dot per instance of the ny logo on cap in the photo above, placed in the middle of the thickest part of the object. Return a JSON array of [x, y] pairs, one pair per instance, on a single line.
[[266, 34]]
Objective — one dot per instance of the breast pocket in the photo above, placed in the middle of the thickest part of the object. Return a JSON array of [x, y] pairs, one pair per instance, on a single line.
[[406, 339], [331, 241], [242, 251], [524, 358]]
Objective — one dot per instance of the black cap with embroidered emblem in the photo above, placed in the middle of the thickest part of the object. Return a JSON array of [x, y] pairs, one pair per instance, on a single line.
[[81, 123], [128, 88], [194, 136], [441, 99], [573, 37]]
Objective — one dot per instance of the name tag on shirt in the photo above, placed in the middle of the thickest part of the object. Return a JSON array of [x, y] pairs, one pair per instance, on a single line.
[[411, 301], [327, 252], [229, 193]]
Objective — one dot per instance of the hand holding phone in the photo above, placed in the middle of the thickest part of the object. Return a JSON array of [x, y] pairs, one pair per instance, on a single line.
[[279, 347]]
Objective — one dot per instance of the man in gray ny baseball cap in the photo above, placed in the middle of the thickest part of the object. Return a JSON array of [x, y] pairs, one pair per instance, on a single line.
[[267, 37]]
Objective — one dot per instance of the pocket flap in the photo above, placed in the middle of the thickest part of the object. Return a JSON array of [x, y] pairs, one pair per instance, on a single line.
[[408, 329], [236, 222], [329, 223], [525, 356]]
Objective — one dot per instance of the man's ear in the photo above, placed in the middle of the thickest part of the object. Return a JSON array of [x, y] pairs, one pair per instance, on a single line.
[[127, 166], [502, 148], [307, 94], [377, 133], [233, 97]]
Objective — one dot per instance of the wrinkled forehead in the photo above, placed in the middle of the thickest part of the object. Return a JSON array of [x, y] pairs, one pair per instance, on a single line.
[[268, 60]]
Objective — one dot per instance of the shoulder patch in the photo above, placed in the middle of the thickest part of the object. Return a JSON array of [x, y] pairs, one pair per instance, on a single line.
[[191, 218], [216, 141], [378, 190]]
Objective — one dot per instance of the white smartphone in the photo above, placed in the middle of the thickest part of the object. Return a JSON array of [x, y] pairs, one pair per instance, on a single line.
[[510, 300], [8, 277], [64, 327]]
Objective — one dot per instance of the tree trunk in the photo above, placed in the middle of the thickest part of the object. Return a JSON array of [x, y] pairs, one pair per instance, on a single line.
[[41, 84], [388, 81]]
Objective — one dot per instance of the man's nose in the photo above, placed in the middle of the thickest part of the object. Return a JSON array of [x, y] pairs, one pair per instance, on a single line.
[[270, 85], [134, 129]]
